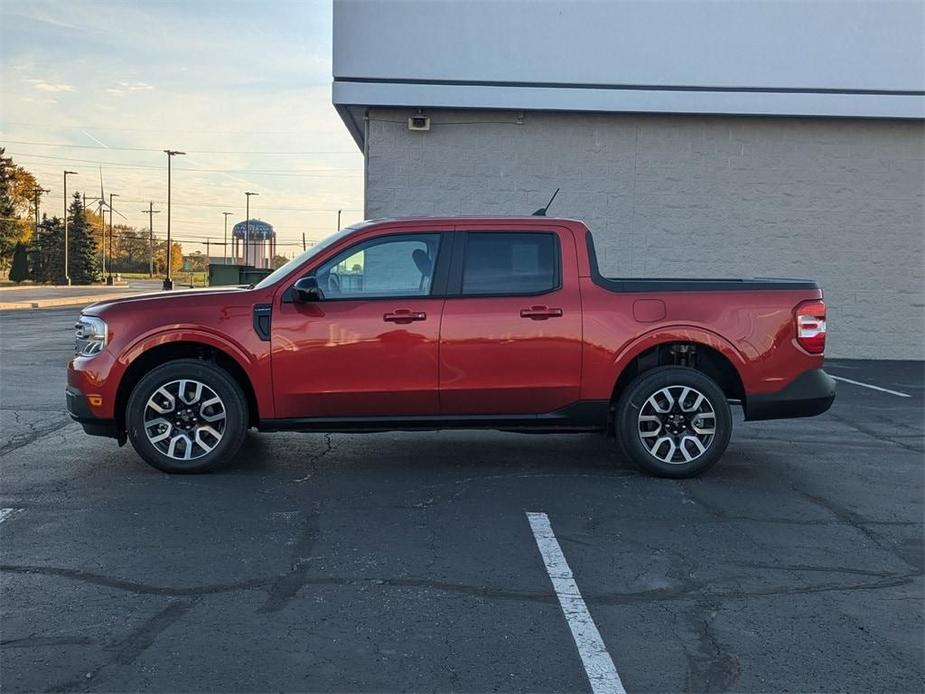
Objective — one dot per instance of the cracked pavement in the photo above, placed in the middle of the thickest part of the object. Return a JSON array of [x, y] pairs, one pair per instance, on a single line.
[[404, 561]]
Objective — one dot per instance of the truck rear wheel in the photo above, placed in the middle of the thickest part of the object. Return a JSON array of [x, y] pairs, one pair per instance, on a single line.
[[673, 421], [186, 416]]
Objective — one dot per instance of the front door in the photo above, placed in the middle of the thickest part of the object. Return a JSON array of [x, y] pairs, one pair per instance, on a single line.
[[511, 336], [369, 348]]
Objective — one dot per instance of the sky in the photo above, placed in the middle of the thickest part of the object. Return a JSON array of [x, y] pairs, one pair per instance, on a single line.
[[242, 86]]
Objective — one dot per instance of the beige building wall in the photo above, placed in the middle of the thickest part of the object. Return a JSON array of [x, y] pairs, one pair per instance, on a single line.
[[836, 200]]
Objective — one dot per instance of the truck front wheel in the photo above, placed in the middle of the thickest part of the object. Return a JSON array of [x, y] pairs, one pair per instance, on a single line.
[[673, 421], [186, 416]]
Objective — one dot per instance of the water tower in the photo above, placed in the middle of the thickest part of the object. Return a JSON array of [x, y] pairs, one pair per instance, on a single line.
[[253, 243]]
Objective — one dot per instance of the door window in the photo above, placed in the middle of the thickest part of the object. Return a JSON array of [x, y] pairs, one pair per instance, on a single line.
[[383, 267], [509, 264]]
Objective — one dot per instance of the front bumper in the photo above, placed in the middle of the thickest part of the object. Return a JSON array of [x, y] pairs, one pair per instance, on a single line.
[[79, 409], [809, 394]]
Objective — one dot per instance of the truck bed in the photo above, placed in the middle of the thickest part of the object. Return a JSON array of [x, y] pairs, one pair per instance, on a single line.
[[681, 284]]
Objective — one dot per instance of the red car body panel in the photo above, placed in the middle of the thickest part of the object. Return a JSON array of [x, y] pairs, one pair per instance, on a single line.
[[469, 356], [337, 357], [493, 360]]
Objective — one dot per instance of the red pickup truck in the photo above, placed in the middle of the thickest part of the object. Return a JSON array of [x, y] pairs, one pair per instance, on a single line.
[[433, 323]]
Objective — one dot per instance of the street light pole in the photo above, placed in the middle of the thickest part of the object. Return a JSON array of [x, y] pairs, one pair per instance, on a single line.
[[338, 219], [168, 281], [247, 224], [226, 235], [67, 276], [109, 280], [151, 212]]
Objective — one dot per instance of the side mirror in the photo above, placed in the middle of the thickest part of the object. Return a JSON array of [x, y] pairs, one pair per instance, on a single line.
[[307, 290]]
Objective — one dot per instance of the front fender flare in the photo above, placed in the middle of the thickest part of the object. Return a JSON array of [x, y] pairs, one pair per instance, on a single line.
[[254, 367]]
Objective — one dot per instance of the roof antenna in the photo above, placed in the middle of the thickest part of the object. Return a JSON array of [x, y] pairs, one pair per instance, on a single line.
[[542, 211]]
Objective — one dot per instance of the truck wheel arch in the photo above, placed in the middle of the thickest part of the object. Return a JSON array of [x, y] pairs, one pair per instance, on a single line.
[[702, 350], [153, 352]]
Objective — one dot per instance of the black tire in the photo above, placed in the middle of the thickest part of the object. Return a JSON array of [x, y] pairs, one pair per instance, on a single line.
[[678, 431], [233, 426]]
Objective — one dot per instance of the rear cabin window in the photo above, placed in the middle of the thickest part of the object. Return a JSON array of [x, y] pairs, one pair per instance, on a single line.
[[510, 263]]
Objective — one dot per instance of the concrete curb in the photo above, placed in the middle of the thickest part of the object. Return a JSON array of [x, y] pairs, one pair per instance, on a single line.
[[75, 287], [60, 301]]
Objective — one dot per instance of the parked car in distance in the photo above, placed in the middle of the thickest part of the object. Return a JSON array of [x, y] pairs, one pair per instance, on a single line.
[[436, 323]]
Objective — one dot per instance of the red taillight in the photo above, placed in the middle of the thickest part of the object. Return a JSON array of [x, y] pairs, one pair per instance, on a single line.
[[810, 319]]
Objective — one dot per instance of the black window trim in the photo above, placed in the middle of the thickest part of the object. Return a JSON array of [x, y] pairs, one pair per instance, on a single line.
[[454, 288], [437, 286]]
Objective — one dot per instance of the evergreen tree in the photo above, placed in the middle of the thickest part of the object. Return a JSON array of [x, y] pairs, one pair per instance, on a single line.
[[47, 251], [83, 264], [19, 270]]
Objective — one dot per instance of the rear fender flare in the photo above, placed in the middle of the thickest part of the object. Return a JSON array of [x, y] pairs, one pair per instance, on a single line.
[[681, 333]]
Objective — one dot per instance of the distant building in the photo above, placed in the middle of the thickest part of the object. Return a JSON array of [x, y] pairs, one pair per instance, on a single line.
[[695, 137], [253, 243]]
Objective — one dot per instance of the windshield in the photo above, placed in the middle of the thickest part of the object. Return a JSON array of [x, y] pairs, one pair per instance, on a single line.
[[296, 262]]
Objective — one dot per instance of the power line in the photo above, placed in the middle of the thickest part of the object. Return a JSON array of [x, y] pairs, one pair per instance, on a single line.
[[48, 126], [313, 210], [191, 151], [306, 173]]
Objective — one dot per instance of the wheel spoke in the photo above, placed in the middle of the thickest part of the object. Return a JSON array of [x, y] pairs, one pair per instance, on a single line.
[[187, 447], [702, 430], [197, 392], [683, 447], [208, 431], [697, 402], [216, 404], [659, 444], [161, 435], [167, 404]]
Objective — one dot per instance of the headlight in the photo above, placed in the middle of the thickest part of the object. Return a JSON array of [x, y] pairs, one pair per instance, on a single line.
[[90, 336]]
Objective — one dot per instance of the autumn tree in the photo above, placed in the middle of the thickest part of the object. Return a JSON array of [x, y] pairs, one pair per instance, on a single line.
[[16, 196], [131, 249], [160, 263]]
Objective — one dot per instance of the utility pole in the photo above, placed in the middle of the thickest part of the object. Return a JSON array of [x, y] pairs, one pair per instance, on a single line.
[[168, 281], [338, 219], [303, 242], [226, 235], [67, 276], [109, 279], [37, 192], [247, 224], [151, 212]]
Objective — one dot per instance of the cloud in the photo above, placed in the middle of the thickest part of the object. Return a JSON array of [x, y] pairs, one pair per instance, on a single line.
[[44, 86], [128, 87]]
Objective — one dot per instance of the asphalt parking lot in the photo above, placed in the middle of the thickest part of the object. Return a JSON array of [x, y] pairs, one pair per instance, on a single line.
[[407, 562]]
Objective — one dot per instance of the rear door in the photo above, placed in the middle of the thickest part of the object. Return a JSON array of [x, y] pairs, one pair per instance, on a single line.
[[510, 339]]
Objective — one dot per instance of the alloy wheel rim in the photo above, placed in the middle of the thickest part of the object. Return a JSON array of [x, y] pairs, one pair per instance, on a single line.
[[677, 424], [184, 419]]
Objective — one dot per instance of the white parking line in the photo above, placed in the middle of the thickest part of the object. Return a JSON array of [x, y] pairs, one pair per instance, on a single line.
[[598, 664], [868, 385], [6, 513]]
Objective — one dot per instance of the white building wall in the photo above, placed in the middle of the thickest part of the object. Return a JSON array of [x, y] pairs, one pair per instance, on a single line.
[[805, 57], [836, 200]]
